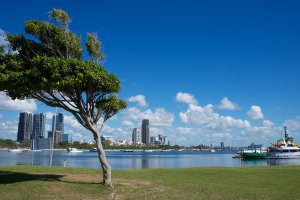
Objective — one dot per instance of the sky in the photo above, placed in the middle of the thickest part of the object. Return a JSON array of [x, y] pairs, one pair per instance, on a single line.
[[202, 72]]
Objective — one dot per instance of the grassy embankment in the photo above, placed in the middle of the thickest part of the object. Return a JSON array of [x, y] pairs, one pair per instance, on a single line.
[[26, 182]]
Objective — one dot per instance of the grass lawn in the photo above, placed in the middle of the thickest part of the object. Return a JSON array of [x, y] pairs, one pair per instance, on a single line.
[[27, 182]]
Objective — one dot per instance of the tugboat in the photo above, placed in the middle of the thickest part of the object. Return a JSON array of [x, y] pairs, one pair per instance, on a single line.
[[284, 148], [258, 153]]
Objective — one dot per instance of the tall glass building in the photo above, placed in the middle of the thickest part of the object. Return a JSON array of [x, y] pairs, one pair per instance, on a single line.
[[38, 128], [145, 132], [25, 126], [60, 122], [57, 127]]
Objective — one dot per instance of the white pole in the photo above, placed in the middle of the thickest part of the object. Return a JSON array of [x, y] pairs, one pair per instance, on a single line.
[[53, 136], [32, 155]]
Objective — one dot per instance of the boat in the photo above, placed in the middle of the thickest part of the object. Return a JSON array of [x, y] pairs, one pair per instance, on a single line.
[[148, 150], [15, 150], [94, 149], [180, 149], [74, 150], [212, 150], [284, 148], [258, 153], [127, 150], [165, 150]]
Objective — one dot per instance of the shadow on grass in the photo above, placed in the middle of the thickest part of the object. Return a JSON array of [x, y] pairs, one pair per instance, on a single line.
[[7, 177]]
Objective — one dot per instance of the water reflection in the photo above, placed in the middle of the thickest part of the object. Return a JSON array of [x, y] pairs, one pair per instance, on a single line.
[[137, 160]]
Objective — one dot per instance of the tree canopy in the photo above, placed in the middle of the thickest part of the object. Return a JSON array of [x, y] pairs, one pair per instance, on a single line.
[[47, 64], [49, 67]]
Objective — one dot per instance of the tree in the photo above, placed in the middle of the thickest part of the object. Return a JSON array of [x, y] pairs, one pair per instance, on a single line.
[[48, 65]]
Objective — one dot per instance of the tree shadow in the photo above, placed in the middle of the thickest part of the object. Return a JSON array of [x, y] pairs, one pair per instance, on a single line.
[[7, 177]]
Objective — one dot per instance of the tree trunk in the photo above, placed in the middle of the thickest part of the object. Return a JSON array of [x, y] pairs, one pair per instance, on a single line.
[[106, 168]]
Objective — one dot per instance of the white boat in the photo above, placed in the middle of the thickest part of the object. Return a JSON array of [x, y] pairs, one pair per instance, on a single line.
[[165, 150], [36, 150], [74, 150], [284, 148], [15, 150], [180, 149], [148, 150], [127, 150], [94, 149], [212, 150]]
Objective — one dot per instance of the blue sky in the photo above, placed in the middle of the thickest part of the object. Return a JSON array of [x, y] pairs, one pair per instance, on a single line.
[[201, 71]]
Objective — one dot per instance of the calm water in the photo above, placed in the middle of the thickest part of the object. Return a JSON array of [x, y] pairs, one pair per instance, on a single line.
[[137, 160]]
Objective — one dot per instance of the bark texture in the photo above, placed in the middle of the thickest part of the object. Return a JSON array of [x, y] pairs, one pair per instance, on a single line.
[[106, 168]]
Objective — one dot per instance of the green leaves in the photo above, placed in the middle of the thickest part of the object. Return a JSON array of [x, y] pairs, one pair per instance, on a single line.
[[55, 40], [49, 67], [110, 105], [73, 74], [60, 16], [93, 46]]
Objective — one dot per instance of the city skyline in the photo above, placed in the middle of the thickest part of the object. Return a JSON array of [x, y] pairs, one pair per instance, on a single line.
[[32, 126], [201, 72]]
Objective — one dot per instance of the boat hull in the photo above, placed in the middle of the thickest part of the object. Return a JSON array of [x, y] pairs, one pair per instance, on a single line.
[[254, 155], [286, 155]]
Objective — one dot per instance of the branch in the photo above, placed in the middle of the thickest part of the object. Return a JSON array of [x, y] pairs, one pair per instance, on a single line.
[[55, 102]]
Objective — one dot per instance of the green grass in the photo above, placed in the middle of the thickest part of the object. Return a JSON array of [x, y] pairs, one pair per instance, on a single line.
[[27, 182]]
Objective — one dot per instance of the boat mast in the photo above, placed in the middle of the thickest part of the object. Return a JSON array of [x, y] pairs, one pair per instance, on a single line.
[[285, 133]]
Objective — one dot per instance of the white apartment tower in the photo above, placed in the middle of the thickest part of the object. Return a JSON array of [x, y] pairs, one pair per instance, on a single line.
[[136, 136]]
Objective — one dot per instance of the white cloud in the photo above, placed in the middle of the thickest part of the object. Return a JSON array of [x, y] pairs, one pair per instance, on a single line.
[[3, 41], [3, 37], [9, 129], [261, 133], [255, 113], [71, 121], [49, 115], [205, 116], [6, 103], [118, 133], [128, 123], [293, 124], [226, 104], [224, 137], [186, 131], [268, 123], [75, 135], [139, 99], [159, 117], [186, 98]]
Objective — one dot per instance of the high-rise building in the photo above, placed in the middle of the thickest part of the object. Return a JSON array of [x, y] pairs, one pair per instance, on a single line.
[[158, 140], [40, 143], [65, 137], [58, 123], [136, 136], [222, 145], [38, 128], [57, 127], [145, 132], [25, 126]]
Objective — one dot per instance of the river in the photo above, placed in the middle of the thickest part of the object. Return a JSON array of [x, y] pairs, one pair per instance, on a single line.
[[138, 159]]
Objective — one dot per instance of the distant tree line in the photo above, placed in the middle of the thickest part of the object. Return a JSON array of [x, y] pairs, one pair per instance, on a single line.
[[12, 144]]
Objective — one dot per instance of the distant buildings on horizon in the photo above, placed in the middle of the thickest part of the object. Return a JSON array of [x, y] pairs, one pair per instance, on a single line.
[[142, 136], [139, 137]]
